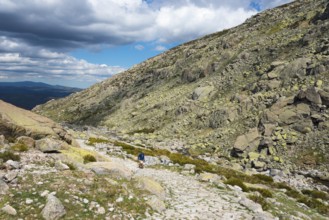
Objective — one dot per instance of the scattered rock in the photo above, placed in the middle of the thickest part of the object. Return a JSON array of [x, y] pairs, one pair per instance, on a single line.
[[61, 166], [249, 140], [10, 176], [50, 145], [28, 141], [112, 169], [3, 187], [54, 209], [156, 204], [9, 210], [251, 205], [12, 165], [152, 186]]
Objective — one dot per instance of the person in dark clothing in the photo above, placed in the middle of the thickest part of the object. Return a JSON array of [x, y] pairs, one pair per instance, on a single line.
[[141, 160]]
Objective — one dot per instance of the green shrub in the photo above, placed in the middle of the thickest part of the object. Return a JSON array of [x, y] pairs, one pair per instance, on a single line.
[[316, 194], [315, 204], [264, 192], [281, 185], [92, 141], [263, 178], [293, 194], [8, 155], [71, 166], [260, 200], [20, 147], [89, 158], [237, 182]]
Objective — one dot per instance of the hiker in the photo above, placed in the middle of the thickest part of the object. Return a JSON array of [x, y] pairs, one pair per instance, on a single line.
[[141, 160]]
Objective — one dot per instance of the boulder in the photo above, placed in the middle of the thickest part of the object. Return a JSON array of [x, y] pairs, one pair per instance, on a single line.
[[151, 186], [156, 204], [165, 160], [208, 177], [202, 93], [313, 96], [149, 160], [10, 176], [288, 116], [12, 165], [54, 209], [3, 187], [269, 128], [251, 205], [324, 97], [9, 210], [303, 110], [113, 169], [61, 166], [50, 145], [304, 126], [249, 140], [28, 141]]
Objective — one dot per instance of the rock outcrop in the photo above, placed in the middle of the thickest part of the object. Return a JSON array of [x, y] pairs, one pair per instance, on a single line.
[[25, 126]]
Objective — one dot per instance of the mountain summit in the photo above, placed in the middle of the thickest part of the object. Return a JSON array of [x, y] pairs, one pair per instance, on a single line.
[[257, 93]]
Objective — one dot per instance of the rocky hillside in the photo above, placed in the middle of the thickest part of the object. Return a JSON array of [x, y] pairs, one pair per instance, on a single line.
[[257, 93]]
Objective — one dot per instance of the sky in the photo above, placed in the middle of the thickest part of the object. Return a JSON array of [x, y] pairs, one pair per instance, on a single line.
[[81, 42]]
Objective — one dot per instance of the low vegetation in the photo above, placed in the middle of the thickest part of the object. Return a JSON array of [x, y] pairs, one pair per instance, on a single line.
[[20, 147], [89, 158], [237, 182], [260, 200], [8, 155]]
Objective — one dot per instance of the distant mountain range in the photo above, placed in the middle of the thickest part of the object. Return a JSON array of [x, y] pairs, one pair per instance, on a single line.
[[29, 94]]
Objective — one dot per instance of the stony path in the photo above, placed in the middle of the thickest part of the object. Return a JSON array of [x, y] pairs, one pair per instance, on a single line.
[[188, 198]]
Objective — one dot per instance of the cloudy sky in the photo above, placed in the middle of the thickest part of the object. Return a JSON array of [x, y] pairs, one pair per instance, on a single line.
[[81, 42]]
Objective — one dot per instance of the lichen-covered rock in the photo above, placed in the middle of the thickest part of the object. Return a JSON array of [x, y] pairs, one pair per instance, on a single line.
[[28, 141], [249, 140], [50, 145], [151, 186], [113, 169], [54, 209]]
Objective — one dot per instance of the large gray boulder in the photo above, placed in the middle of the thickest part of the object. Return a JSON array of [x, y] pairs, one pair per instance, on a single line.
[[249, 140], [54, 209], [112, 168], [50, 145]]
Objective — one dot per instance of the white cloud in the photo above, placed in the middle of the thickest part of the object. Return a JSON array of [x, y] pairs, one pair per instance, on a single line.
[[160, 48], [35, 36], [139, 47]]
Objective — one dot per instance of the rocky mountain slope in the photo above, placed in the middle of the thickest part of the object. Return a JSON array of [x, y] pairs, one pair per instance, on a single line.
[[256, 94], [51, 172]]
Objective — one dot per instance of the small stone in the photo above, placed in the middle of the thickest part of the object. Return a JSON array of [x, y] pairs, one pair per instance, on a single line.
[[44, 193], [120, 199], [100, 211], [9, 210], [28, 201]]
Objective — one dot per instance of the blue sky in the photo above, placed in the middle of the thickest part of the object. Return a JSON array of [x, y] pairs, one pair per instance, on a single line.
[[82, 42]]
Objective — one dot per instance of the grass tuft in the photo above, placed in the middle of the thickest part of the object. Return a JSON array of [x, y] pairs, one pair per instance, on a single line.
[[89, 158], [8, 155], [260, 200], [237, 182], [20, 147], [264, 192]]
